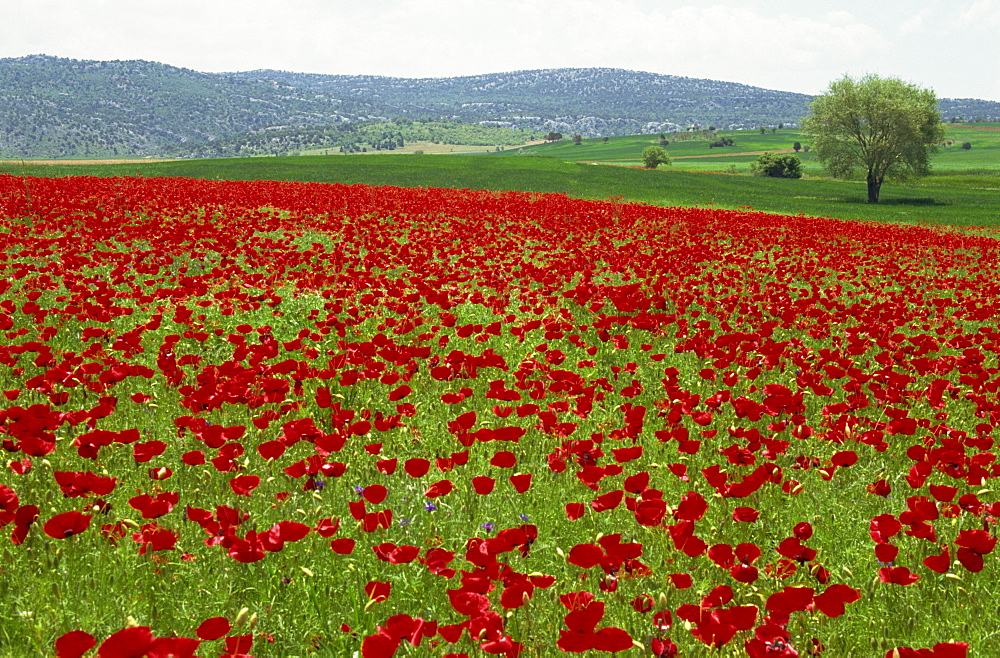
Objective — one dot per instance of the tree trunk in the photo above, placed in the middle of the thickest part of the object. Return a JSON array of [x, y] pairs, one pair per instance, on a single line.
[[874, 183]]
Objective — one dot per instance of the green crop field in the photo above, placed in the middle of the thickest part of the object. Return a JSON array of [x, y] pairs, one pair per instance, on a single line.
[[964, 189], [691, 151]]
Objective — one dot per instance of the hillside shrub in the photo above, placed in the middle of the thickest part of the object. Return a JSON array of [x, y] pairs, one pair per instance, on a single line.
[[777, 166]]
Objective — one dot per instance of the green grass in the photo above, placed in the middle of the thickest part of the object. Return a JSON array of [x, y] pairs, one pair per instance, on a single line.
[[965, 192]]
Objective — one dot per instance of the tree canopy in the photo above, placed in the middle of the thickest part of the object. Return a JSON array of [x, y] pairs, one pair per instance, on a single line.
[[653, 156], [777, 166], [882, 126]]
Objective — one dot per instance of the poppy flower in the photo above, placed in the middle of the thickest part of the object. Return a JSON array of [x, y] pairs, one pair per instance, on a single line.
[[939, 563], [378, 591], [503, 459], [243, 485], [213, 628], [343, 545], [74, 644], [23, 518], [439, 488], [134, 641], [973, 545], [608, 501], [67, 524], [831, 601], [897, 576], [521, 482], [483, 485], [144, 452], [374, 493], [417, 467], [745, 514]]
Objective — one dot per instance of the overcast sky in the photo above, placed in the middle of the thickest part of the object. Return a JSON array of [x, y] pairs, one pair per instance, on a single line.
[[950, 46]]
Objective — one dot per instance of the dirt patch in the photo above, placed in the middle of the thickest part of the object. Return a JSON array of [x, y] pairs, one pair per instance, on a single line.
[[727, 154]]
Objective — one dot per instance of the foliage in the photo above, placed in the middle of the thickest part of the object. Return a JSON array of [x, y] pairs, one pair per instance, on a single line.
[[777, 166], [966, 146], [797, 146], [883, 127], [364, 136], [653, 156]]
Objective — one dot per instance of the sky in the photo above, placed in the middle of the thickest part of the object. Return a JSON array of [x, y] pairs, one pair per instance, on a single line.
[[948, 46]]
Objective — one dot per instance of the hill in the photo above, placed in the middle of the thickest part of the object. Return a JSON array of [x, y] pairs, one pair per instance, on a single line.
[[57, 107]]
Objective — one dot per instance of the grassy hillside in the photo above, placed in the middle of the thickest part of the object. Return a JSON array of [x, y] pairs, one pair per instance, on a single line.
[[691, 151]]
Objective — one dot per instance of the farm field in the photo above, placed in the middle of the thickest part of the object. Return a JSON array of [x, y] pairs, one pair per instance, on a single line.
[[969, 194], [290, 419], [691, 151]]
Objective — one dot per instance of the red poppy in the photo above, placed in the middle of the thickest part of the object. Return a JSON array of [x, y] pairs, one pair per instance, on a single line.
[[133, 642], [897, 576], [378, 591], [67, 524], [503, 459], [521, 482], [831, 601], [23, 518], [417, 467], [439, 488], [483, 485], [144, 452], [343, 545], [74, 644], [213, 628], [939, 563], [243, 485], [374, 493]]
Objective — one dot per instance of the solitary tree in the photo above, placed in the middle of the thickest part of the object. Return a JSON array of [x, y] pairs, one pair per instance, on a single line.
[[796, 147], [652, 156], [883, 126]]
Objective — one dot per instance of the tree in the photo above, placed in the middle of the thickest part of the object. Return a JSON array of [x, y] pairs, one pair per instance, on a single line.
[[777, 166], [578, 139], [652, 156], [883, 126], [553, 137], [796, 147]]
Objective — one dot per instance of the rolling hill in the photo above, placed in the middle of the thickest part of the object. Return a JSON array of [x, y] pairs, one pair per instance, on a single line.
[[57, 107]]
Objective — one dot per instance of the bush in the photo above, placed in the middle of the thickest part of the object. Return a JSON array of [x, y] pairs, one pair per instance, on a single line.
[[652, 156], [966, 146], [777, 166]]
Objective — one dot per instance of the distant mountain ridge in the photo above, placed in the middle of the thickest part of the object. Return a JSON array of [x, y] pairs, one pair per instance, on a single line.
[[58, 107]]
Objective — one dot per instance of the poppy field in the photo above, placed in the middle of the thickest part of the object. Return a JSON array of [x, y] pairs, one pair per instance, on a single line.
[[289, 419]]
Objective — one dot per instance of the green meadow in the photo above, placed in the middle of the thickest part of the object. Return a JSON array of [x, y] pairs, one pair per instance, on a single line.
[[964, 188]]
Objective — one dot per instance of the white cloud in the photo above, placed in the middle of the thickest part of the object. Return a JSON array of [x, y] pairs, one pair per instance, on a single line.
[[981, 14], [915, 24]]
